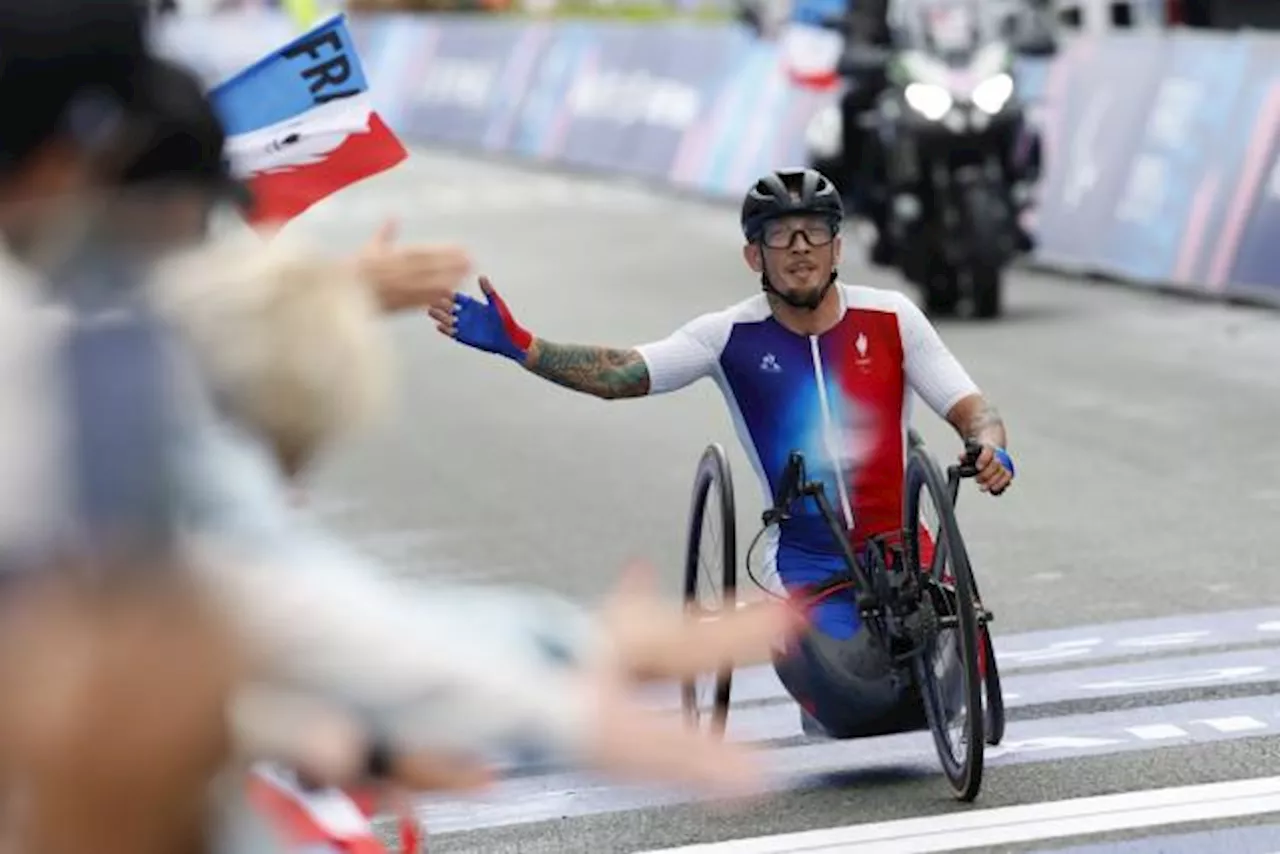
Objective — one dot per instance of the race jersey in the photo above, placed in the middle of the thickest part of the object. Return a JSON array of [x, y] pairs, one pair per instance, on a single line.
[[842, 398]]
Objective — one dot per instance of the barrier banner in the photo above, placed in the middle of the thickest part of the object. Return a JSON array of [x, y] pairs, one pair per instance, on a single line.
[[1157, 224], [460, 83], [756, 123], [1224, 197], [1248, 253], [1094, 122], [632, 96]]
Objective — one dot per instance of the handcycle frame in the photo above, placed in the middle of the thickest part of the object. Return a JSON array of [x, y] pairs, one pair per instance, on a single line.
[[899, 607]]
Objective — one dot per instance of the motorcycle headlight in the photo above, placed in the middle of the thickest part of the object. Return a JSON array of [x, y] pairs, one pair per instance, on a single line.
[[993, 93], [932, 102]]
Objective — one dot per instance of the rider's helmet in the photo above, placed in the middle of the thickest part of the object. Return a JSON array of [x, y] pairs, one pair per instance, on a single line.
[[791, 192], [788, 192]]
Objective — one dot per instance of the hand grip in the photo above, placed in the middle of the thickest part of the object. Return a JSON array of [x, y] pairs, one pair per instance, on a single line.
[[972, 449]]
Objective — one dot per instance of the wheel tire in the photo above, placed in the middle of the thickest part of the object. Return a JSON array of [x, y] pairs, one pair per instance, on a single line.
[[712, 481], [994, 706], [988, 290], [923, 477]]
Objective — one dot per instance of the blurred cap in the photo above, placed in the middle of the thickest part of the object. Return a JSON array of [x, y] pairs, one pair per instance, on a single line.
[[187, 145], [67, 69]]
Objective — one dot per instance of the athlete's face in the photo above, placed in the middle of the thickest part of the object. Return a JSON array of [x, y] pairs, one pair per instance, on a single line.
[[798, 252]]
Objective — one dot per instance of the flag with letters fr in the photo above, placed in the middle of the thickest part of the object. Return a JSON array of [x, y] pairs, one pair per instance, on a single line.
[[301, 125]]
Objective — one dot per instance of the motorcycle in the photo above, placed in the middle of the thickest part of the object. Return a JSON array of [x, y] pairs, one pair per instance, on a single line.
[[957, 163]]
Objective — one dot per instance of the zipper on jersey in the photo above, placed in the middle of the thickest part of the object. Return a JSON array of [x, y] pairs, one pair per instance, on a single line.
[[829, 432]]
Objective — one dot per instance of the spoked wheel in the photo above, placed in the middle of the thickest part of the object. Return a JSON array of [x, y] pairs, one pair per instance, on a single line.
[[710, 580], [949, 669]]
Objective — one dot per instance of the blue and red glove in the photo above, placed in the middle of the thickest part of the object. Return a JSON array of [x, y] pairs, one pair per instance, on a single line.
[[489, 325]]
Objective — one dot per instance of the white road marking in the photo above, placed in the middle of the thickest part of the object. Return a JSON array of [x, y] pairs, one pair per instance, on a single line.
[[1173, 639], [1155, 732], [1239, 723], [1010, 825], [1053, 652], [1221, 674]]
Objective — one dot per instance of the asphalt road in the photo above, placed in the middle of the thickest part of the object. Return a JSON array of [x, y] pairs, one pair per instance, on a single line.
[[1142, 427]]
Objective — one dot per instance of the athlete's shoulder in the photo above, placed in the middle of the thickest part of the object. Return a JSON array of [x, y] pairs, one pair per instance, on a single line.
[[721, 321], [867, 298]]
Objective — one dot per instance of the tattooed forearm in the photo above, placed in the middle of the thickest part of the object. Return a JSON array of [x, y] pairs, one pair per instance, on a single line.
[[598, 371], [974, 417]]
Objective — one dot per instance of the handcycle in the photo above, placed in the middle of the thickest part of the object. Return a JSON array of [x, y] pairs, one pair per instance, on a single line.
[[911, 612]]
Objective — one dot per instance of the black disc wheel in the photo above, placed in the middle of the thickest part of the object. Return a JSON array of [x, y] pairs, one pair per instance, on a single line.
[[710, 581], [949, 670]]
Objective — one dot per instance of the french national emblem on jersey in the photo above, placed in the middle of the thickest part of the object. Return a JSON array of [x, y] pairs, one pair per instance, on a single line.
[[861, 347]]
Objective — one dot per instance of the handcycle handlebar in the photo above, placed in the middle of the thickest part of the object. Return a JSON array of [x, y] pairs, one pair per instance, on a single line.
[[793, 485], [968, 468]]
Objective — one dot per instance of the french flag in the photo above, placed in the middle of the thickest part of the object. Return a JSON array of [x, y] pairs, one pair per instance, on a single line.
[[301, 125]]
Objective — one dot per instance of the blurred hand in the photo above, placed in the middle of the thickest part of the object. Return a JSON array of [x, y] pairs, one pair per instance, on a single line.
[[653, 639], [657, 639], [411, 276]]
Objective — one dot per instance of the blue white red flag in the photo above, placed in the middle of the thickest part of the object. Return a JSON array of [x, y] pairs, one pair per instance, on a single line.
[[301, 125]]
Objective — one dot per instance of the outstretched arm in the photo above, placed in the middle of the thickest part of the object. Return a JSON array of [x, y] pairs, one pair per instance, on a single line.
[[600, 371], [605, 372]]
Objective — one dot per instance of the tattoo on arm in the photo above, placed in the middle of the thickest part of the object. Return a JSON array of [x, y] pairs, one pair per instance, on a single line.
[[974, 417], [600, 371]]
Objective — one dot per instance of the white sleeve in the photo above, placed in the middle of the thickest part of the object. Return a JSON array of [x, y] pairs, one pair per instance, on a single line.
[[685, 356], [932, 370]]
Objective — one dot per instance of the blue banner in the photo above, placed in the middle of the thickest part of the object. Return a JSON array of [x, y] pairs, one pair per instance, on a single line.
[[633, 97], [1155, 224], [1089, 141], [1248, 257]]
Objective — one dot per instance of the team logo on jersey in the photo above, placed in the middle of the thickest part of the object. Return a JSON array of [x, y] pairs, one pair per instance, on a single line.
[[769, 364], [861, 347]]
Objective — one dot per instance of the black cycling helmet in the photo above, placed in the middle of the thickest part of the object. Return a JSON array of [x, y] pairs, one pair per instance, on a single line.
[[788, 192], [791, 192]]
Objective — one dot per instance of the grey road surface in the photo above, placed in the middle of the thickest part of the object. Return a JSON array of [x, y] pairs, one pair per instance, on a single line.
[[1142, 427]]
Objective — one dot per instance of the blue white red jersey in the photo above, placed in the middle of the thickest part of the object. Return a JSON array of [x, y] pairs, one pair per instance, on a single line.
[[842, 398]]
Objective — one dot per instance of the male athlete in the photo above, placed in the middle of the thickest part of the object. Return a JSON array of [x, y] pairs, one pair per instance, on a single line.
[[812, 364]]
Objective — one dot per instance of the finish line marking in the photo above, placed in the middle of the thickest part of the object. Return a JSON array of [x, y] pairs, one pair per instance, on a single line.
[[1027, 823]]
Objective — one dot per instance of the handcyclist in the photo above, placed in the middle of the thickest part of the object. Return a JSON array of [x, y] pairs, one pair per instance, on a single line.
[[811, 364]]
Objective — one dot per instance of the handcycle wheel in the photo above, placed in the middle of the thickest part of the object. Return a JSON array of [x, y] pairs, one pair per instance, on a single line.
[[993, 699], [993, 706], [954, 644], [710, 565]]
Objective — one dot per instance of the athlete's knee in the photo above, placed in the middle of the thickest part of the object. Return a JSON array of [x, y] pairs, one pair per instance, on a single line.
[[847, 685]]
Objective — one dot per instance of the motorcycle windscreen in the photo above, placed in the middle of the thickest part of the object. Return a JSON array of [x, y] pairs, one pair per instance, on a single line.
[[809, 52]]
